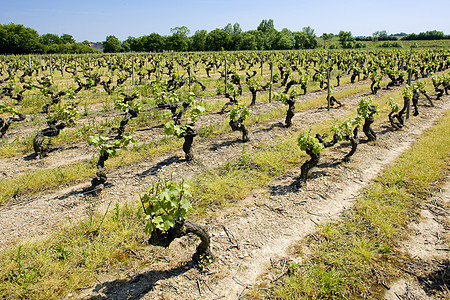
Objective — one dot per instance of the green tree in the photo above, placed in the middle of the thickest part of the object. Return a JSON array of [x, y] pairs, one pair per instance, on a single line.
[[67, 38], [266, 25], [112, 44], [182, 31], [235, 33], [346, 39], [198, 40], [218, 40], [18, 39], [285, 40], [153, 42], [228, 29], [251, 40], [269, 35], [50, 39], [325, 37], [305, 39], [132, 44], [176, 42]]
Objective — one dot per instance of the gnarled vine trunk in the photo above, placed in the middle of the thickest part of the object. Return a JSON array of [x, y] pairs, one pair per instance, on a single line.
[[354, 140], [368, 131], [53, 129], [415, 101], [4, 125], [98, 182], [253, 91], [308, 165], [128, 116], [439, 93], [232, 102], [327, 144], [290, 112], [182, 228], [374, 88], [238, 126], [55, 100], [188, 136], [334, 101]]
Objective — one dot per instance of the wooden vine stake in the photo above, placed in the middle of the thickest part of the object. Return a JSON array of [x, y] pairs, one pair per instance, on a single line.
[[271, 82], [90, 63], [132, 71], [226, 76], [262, 63], [189, 75], [62, 69], [408, 104], [51, 66], [328, 83], [75, 58]]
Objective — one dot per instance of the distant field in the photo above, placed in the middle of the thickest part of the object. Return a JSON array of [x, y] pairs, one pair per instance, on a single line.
[[405, 44]]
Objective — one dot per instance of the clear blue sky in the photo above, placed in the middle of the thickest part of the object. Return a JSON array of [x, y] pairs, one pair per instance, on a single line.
[[95, 19]]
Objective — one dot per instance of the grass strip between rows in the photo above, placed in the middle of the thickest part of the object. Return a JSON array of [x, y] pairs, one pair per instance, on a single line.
[[350, 257]]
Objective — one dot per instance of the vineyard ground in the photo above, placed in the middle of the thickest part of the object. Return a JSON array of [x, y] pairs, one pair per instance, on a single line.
[[258, 232], [71, 201], [248, 235]]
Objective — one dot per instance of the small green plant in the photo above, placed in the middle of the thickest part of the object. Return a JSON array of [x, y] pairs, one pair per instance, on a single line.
[[109, 146], [16, 116], [366, 110], [393, 105], [61, 252], [344, 129], [161, 95], [285, 97], [10, 109], [396, 115], [288, 98], [376, 79], [407, 92], [347, 130], [239, 112], [164, 203], [308, 143], [254, 86], [238, 115], [126, 103], [22, 275], [312, 146], [194, 109], [365, 107], [67, 113]]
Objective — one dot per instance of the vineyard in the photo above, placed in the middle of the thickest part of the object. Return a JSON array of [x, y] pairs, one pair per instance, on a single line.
[[168, 174]]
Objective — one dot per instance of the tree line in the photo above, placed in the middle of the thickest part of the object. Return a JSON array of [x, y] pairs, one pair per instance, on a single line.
[[229, 38], [18, 39]]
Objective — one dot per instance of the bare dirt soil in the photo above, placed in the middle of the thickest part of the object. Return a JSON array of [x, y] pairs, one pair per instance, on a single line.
[[428, 274]]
